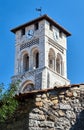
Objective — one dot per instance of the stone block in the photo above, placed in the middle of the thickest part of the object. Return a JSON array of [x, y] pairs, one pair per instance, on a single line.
[[38, 99], [69, 94], [38, 104], [70, 114], [44, 96], [64, 106], [55, 101], [47, 124], [75, 94], [36, 117], [36, 110], [61, 113]]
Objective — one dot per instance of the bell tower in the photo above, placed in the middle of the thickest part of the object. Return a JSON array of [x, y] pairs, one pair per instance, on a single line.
[[40, 57]]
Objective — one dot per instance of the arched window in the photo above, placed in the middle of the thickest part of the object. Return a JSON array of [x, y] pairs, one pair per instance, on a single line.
[[59, 64], [36, 58], [51, 58], [25, 62], [28, 87]]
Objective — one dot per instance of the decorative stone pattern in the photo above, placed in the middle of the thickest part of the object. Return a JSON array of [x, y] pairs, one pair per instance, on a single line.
[[28, 44], [56, 45], [53, 109]]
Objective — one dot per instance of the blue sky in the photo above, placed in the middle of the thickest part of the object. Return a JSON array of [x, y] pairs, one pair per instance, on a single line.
[[70, 14]]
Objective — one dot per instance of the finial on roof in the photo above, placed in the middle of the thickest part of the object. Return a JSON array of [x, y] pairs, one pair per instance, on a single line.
[[39, 10]]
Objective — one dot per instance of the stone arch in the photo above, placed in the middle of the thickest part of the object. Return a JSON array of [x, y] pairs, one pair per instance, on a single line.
[[20, 60], [23, 53], [25, 61], [27, 86], [59, 64], [51, 59], [35, 55]]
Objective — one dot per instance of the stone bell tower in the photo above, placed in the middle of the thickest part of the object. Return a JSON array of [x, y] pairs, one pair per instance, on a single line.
[[40, 58]]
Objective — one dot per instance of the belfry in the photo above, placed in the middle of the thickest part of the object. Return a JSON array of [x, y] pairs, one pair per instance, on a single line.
[[40, 54]]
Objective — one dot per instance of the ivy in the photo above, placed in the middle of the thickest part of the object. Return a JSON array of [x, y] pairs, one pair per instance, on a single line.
[[8, 104]]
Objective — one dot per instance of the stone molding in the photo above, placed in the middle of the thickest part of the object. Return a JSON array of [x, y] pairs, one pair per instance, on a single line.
[[28, 44]]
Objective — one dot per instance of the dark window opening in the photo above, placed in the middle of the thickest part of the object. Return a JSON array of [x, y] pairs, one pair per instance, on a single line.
[[50, 27], [37, 60], [28, 87], [51, 61], [60, 34], [36, 26], [58, 66], [26, 62], [23, 31]]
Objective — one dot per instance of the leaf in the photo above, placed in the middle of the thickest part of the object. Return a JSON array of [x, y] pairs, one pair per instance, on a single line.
[[8, 104]]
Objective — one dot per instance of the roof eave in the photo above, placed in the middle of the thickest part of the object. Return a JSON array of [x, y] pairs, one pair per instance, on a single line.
[[39, 19]]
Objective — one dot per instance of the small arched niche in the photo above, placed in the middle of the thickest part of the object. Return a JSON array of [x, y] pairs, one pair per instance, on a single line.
[[25, 62], [51, 59], [35, 53], [27, 86], [59, 64]]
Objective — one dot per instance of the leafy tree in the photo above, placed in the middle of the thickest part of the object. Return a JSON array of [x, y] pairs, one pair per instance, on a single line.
[[8, 103]]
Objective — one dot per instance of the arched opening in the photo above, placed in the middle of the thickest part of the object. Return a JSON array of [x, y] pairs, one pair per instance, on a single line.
[[36, 58], [59, 64], [25, 62], [27, 86], [51, 59]]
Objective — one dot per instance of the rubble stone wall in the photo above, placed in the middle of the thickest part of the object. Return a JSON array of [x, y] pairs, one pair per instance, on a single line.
[[55, 109]]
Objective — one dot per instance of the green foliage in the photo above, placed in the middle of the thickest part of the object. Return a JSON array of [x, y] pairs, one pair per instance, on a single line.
[[8, 103]]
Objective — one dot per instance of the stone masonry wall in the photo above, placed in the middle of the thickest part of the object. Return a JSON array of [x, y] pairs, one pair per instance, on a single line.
[[52, 109]]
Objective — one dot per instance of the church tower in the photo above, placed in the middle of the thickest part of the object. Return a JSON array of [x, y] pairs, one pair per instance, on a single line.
[[40, 57]]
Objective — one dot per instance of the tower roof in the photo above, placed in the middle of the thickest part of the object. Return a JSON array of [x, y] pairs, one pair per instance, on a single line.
[[46, 17]]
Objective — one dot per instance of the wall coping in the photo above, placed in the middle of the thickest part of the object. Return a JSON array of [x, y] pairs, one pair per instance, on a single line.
[[35, 92]]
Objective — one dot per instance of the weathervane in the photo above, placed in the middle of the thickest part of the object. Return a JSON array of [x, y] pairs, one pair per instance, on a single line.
[[39, 10]]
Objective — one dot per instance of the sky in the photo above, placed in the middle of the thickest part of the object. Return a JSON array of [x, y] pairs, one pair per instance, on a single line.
[[68, 13]]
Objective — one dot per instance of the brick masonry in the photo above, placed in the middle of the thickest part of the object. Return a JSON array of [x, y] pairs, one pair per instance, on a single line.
[[51, 109]]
